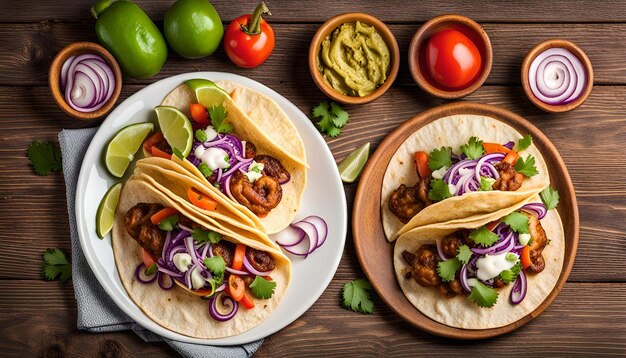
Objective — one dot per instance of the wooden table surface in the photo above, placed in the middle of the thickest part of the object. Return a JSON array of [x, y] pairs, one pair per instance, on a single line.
[[587, 318]]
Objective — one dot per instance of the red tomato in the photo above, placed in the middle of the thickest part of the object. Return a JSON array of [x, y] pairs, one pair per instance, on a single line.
[[149, 258], [452, 59], [248, 43]]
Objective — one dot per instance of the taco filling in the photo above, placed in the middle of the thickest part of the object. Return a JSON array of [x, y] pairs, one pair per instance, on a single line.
[[480, 166], [477, 262], [177, 250]]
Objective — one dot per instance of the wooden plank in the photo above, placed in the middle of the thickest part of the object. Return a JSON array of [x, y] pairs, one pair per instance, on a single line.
[[599, 183], [28, 49], [582, 318], [393, 10]]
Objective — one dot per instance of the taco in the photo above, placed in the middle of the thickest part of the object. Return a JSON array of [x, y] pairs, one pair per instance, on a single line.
[[459, 168], [257, 163], [482, 274], [210, 282]]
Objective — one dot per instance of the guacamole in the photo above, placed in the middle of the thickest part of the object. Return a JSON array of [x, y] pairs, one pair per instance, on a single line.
[[354, 59]]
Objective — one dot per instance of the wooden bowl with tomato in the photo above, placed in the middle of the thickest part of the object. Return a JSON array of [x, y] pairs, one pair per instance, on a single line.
[[450, 56]]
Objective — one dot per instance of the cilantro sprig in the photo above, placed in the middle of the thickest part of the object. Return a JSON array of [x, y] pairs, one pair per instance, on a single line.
[[218, 116], [56, 265], [439, 190], [464, 254], [473, 149], [510, 275], [550, 198], [517, 221], [168, 223], [44, 156], [262, 288], [526, 167], [524, 143], [440, 158], [200, 235], [483, 295], [215, 264], [333, 118], [447, 269], [356, 296], [484, 237]]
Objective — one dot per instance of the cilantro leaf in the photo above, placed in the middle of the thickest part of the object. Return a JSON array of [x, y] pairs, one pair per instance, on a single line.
[[524, 142], [483, 295], [517, 221], [356, 296], [439, 158], [44, 156], [201, 135], [484, 237], [201, 235], [56, 265], [340, 117], [439, 190], [215, 264], [473, 149], [168, 223], [178, 153], [262, 288], [464, 254], [218, 116], [333, 117], [510, 275], [205, 170], [550, 198], [447, 269], [486, 183], [526, 167]]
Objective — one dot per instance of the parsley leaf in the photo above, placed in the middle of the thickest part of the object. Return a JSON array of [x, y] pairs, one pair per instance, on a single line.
[[483, 295], [510, 275], [218, 119], [201, 235], [44, 156], [484, 237], [464, 254], [262, 288], [439, 190], [201, 135], [205, 170], [524, 142], [333, 117], [56, 264], [215, 264], [550, 198], [356, 296], [473, 149], [486, 183], [447, 269], [526, 167], [517, 221], [178, 153], [168, 223], [439, 158]]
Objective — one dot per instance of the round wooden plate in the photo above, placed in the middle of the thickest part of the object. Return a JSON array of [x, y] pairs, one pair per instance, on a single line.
[[376, 253]]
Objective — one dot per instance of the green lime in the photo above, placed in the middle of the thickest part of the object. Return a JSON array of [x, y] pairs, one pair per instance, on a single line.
[[105, 217], [176, 128], [193, 28], [124, 145], [207, 92], [352, 165]]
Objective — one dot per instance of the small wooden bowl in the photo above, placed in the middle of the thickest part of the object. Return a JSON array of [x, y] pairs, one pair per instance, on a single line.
[[469, 28], [578, 52], [326, 29], [54, 78]]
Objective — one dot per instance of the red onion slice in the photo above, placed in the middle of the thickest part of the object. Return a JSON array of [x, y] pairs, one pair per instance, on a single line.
[[140, 274], [64, 69], [290, 236], [320, 226], [311, 232], [224, 300], [519, 289], [556, 76], [87, 81]]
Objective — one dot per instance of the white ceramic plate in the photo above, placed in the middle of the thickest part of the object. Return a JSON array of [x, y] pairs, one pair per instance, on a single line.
[[324, 196]]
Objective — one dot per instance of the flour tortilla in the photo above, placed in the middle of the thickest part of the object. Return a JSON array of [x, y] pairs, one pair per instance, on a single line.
[[272, 132], [454, 131], [459, 311], [177, 309]]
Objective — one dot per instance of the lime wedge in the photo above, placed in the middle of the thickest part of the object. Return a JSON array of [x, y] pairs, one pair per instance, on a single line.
[[176, 128], [105, 217], [124, 145], [212, 96], [352, 165]]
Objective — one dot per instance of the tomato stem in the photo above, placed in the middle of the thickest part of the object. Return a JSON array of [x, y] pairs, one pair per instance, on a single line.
[[254, 27]]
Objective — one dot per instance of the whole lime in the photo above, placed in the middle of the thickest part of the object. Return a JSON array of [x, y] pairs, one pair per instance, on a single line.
[[193, 28]]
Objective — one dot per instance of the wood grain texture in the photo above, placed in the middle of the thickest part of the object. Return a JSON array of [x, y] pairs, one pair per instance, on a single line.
[[28, 50]]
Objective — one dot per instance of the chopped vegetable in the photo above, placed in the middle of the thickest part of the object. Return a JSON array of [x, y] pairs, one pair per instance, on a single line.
[[483, 295], [439, 190], [495, 148], [152, 269], [205, 170], [511, 157], [247, 301], [526, 167], [333, 117], [484, 237], [447, 269], [550, 198], [178, 153], [215, 264], [201, 135], [236, 287], [356, 296], [218, 116], [168, 223], [525, 257], [156, 152], [56, 265], [249, 39], [492, 225], [440, 158], [199, 114], [148, 258], [44, 156], [510, 275], [201, 235], [517, 221], [486, 183], [262, 288], [464, 254], [162, 214], [152, 140], [240, 251], [473, 149], [201, 200], [524, 143], [421, 163]]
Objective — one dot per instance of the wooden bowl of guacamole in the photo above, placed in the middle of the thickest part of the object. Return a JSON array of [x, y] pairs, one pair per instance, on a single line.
[[354, 58]]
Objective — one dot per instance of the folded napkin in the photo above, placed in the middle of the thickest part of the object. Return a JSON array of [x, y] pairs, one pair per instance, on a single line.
[[96, 311]]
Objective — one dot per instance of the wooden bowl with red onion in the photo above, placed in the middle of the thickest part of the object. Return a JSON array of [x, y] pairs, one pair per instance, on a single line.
[[557, 76], [85, 80]]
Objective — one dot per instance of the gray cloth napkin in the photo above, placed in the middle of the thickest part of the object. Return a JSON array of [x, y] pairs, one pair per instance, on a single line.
[[96, 311]]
